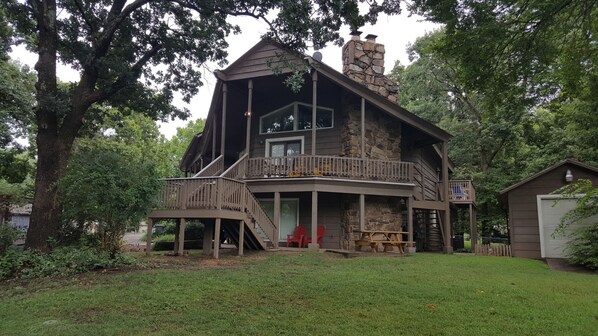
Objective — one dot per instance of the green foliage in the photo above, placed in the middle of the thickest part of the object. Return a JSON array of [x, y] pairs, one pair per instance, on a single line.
[[61, 261], [7, 237], [110, 184], [582, 249], [175, 148], [17, 99]]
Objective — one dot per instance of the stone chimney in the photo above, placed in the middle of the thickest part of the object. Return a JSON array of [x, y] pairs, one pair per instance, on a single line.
[[363, 62]]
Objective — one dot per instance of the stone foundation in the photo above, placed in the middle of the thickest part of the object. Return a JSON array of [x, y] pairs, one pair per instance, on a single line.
[[381, 213]]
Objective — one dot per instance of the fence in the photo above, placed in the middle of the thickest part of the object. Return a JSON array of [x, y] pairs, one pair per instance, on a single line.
[[497, 250]]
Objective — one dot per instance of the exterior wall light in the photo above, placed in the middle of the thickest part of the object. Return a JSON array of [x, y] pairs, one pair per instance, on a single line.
[[248, 114], [568, 176]]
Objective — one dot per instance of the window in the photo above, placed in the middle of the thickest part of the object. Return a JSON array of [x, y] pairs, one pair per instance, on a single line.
[[295, 117], [291, 146]]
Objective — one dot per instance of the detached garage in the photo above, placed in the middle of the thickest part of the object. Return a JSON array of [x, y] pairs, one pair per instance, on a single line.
[[533, 215]]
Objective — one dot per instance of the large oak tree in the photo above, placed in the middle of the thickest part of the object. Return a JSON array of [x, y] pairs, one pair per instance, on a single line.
[[137, 53]]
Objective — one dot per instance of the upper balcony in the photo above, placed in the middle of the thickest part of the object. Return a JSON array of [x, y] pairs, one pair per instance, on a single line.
[[329, 166], [461, 192]]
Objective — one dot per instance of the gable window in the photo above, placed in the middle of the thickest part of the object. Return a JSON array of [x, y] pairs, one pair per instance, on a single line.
[[295, 117]]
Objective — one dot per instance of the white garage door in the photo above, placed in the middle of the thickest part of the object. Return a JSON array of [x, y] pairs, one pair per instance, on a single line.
[[549, 215]]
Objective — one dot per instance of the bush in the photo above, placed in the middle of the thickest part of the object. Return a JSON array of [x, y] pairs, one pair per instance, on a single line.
[[61, 261], [7, 237], [583, 248]]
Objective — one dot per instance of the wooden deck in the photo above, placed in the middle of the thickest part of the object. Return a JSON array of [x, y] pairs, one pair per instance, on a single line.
[[461, 192]]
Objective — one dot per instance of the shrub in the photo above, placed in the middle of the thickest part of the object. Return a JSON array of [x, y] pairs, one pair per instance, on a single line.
[[583, 248], [7, 237], [61, 261]]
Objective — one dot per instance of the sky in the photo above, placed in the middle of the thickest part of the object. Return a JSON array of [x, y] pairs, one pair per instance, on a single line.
[[395, 32]]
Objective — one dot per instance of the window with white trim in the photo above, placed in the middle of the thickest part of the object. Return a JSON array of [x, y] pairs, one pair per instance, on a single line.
[[296, 117]]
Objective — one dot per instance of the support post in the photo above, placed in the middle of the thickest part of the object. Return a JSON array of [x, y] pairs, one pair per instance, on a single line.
[[276, 218], [314, 103], [362, 211], [314, 222], [148, 237], [448, 244], [248, 114], [177, 227], [214, 138], [473, 228], [362, 128], [241, 237], [223, 133], [411, 246], [182, 226], [217, 238], [208, 235]]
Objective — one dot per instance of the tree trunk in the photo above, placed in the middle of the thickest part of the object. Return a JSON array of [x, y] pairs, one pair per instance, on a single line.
[[50, 164]]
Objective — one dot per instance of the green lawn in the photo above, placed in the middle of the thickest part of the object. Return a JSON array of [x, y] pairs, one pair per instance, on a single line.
[[310, 294]]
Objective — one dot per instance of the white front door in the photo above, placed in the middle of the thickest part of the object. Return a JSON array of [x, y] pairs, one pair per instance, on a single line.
[[289, 215]]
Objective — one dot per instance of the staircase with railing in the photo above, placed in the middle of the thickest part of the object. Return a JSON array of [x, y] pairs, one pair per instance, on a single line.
[[220, 197]]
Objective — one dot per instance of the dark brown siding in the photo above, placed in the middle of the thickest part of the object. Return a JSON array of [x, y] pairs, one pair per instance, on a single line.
[[425, 172], [258, 63], [523, 208]]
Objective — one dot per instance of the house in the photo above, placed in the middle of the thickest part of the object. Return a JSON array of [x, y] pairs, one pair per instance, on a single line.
[[533, 212], [19, 216], [260, 168]]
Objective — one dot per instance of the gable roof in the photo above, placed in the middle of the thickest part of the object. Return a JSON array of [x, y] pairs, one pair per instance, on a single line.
[[547, 170], [268, 47], [264, 51]]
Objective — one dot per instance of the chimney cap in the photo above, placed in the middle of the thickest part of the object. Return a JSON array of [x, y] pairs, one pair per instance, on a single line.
[[371, 37], [355, 34]]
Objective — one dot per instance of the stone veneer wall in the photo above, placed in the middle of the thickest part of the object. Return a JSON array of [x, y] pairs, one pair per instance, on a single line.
[[363, 61], [381, 213], [382, 133]]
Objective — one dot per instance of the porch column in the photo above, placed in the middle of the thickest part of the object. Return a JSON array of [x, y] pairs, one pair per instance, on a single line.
[[314, 222], [223, 134], [248, 114], [314, 78], [182, 226], [217, 238], [276, 218], [362, 211], [214, 138], [363, 128], [473, 228], [411, 246], [448, 246], [208, 235], [148, 237], [241, 236], [177, 227]]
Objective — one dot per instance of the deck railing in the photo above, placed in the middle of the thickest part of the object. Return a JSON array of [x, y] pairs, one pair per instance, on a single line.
[[214, 193], [238, 169], [334, 166], [213, 169], [461, 191]]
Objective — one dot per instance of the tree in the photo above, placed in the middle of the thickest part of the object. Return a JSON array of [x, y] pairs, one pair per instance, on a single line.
[[582, 249], [176, 147], [116, 43]]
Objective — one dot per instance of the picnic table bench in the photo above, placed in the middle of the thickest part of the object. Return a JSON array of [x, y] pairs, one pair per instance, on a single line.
[[375, 238]]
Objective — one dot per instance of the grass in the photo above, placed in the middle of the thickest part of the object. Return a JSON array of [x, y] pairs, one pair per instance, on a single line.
[[309, 294]]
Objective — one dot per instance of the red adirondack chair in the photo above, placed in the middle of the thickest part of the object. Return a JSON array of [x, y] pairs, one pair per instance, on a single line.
[[321, 231], [297, 237]]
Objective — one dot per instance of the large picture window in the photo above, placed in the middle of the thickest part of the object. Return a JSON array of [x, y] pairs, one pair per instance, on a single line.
[[295, 117]]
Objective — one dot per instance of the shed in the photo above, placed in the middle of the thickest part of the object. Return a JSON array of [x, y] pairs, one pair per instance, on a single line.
[[533, 213]]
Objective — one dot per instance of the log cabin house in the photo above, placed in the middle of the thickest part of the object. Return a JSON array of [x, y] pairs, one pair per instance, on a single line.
[[260, 167]]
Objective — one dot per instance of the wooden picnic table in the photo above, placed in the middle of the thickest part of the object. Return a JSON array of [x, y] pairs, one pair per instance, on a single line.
[[388, 239]]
